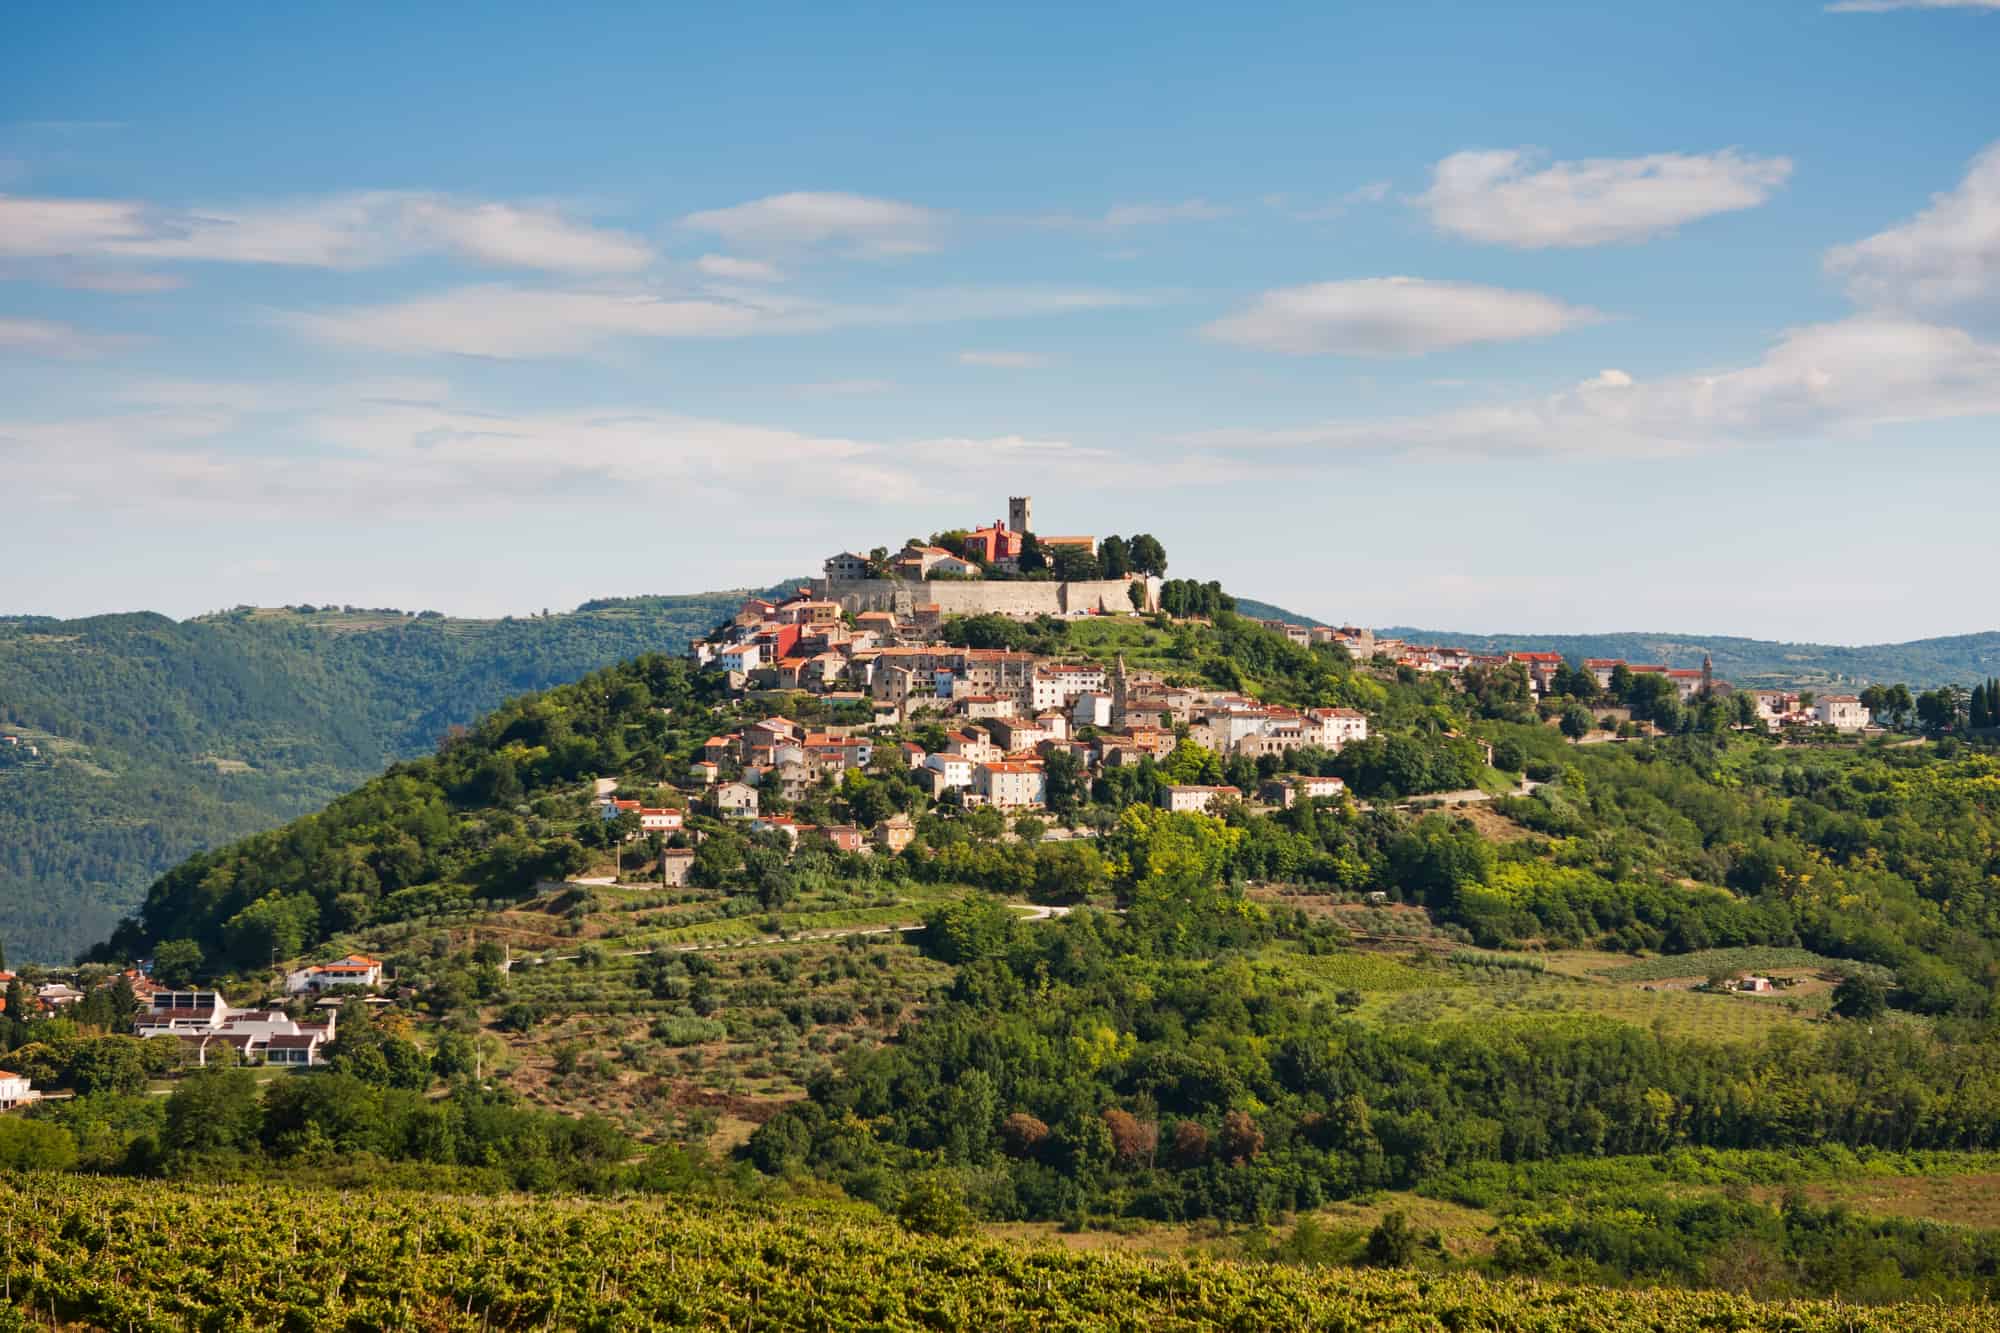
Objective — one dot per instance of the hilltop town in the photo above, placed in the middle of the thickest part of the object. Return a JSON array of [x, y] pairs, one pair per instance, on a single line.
[[881, 643]]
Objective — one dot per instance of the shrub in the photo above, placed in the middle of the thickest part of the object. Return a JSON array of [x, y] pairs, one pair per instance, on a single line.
[[934, 1205]]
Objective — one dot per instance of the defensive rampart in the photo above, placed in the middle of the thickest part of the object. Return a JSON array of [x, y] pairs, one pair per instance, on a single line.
[[968, 597]]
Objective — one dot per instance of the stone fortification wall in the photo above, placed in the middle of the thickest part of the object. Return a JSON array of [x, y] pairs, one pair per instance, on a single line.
[[969, 597]]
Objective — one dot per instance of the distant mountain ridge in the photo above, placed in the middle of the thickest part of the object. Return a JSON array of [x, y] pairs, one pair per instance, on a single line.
[[1256, 610], [1921, 663]]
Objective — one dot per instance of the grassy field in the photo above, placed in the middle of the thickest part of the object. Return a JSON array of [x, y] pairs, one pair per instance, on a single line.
[[1970, 1200], [1706, 962], [1406, 982]]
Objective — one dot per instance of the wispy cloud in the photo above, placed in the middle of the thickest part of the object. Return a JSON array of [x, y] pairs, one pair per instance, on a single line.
[[1846, 377], [506, 321], [803, 220], [1374, 192], [496, 320], [1124, 217], [42, 337], [1397, 316], [339, 451], [851, 388], [1506, 197], [731, 269], [1946, 257], [346, 231], [124, 281], [1003, 360]]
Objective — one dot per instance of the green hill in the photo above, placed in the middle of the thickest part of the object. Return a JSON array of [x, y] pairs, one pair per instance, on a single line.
[[158, 738], [1257, 610], [1921, 663], [1312, 1034]]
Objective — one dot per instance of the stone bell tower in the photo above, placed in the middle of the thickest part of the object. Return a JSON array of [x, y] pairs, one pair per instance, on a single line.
[[1020, 513]]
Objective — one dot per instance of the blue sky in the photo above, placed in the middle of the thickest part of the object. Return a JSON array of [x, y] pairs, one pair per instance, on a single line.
[[1535, 318]]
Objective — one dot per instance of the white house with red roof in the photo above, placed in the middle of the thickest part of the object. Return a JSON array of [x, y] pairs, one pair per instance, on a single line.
[[953, 770], [1198, 800], [661, 819], [354, 970], [1010, 784]]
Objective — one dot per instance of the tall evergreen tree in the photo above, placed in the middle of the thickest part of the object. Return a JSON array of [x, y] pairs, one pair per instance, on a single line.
[[1147, 555], [1031, 558]]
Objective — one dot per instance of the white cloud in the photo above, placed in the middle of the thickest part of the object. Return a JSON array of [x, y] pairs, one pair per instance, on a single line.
[[1003, 360], [1499, 197], [509, 237], [1885, 6], [851, 223], [341, 451], [732, 269], [43, 337], [346, 231], [500, 320], [1947, 256], [32, 227], [1393, 317], [1846, 377]]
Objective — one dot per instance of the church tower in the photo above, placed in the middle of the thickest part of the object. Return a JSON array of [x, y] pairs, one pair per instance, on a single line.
[[1020, 513], [1118, 695], [1707, 676]]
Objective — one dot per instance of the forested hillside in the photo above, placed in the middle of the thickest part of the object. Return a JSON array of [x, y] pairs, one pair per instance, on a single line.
[[1920, 663], [158, 738]]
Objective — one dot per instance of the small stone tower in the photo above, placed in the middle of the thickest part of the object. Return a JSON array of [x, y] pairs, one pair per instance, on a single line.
[[1118, 688], [1020, 513], [1707, 676]]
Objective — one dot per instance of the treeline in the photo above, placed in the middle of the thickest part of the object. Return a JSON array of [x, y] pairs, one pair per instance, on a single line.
[[1142, 555], [1142, 1067], [225, 1122]]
